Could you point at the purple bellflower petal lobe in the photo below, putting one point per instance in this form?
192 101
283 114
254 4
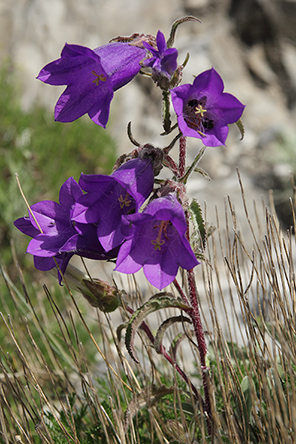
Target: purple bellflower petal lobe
164 60
44 263
121 61
204 111
75 60
48 245
137 175
24 225
69 193
108 198
157 243
91 77
48 217
75 102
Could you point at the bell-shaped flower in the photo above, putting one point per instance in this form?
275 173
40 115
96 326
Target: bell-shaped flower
91 77
204 110
163 60
156 241
108 198
54 233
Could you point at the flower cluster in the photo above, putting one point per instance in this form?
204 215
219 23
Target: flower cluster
56 236
107 217
105 223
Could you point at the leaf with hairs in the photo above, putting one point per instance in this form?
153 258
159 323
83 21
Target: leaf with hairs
198 222
177 341
157 302
163 328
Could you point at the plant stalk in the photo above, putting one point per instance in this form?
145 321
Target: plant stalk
194 313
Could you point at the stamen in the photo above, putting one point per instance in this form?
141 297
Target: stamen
200 110
162 228
157 244
124 201
99 77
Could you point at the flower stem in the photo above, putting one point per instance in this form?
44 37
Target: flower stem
194 313
201 343
180 291
166 111
182 156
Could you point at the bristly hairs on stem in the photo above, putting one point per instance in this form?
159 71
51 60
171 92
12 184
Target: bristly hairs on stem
165 133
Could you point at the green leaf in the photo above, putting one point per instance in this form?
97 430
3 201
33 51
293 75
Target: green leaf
198 222
163 328
157 302
193 168
241 128
202 172
244 405
247 393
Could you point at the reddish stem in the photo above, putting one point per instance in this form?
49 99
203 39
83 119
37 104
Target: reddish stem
181 292
182 156
194 313
201 344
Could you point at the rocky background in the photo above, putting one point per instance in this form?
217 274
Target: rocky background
251 43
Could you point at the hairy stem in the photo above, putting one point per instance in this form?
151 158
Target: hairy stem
201 343
166 111
180 291
182 156
194 313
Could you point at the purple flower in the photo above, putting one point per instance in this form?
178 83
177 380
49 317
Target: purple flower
164 59
55 235
156 241
108 198
92 76
204 110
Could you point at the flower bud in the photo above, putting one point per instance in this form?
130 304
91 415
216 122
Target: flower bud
101 295
98 293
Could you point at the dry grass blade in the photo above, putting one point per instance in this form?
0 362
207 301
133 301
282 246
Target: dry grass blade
248 297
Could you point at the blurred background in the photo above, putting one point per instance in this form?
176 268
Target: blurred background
251 43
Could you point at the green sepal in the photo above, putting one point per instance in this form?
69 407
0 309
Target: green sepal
241 128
